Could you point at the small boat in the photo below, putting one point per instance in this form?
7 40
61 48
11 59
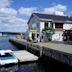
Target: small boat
7 57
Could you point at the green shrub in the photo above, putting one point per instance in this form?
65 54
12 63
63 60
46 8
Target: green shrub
48 29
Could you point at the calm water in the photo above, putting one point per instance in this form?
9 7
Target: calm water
42 66
6 45
29 67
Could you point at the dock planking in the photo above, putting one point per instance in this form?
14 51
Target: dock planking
57 51
25 56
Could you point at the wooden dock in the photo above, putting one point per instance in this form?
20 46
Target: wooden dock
57 51
25 56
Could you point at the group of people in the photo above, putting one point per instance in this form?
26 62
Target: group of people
35 38
67 36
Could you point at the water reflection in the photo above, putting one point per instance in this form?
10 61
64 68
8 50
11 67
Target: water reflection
30 67
9 69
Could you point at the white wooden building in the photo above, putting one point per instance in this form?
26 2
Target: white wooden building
60 25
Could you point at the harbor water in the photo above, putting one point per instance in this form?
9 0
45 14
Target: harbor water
25 67
6 45
40 66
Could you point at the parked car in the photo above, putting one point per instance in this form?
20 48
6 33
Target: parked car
7 57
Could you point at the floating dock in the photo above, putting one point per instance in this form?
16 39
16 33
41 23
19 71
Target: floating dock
25 56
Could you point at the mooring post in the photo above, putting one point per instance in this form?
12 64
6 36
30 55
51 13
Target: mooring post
26 46
41 50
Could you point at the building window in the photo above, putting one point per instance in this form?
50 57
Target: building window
46 25
51 25
59 25
34 26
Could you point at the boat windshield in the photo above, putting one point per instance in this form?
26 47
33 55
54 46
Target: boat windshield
6 55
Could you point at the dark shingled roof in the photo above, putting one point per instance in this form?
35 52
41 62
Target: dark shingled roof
53 17
71 18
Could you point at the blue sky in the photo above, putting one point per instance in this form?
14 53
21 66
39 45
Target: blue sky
40 4
14 14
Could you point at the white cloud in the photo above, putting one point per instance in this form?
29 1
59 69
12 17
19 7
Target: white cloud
5 3
60 7
27 11
57 9
18 21
13 24
8 11
10 22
